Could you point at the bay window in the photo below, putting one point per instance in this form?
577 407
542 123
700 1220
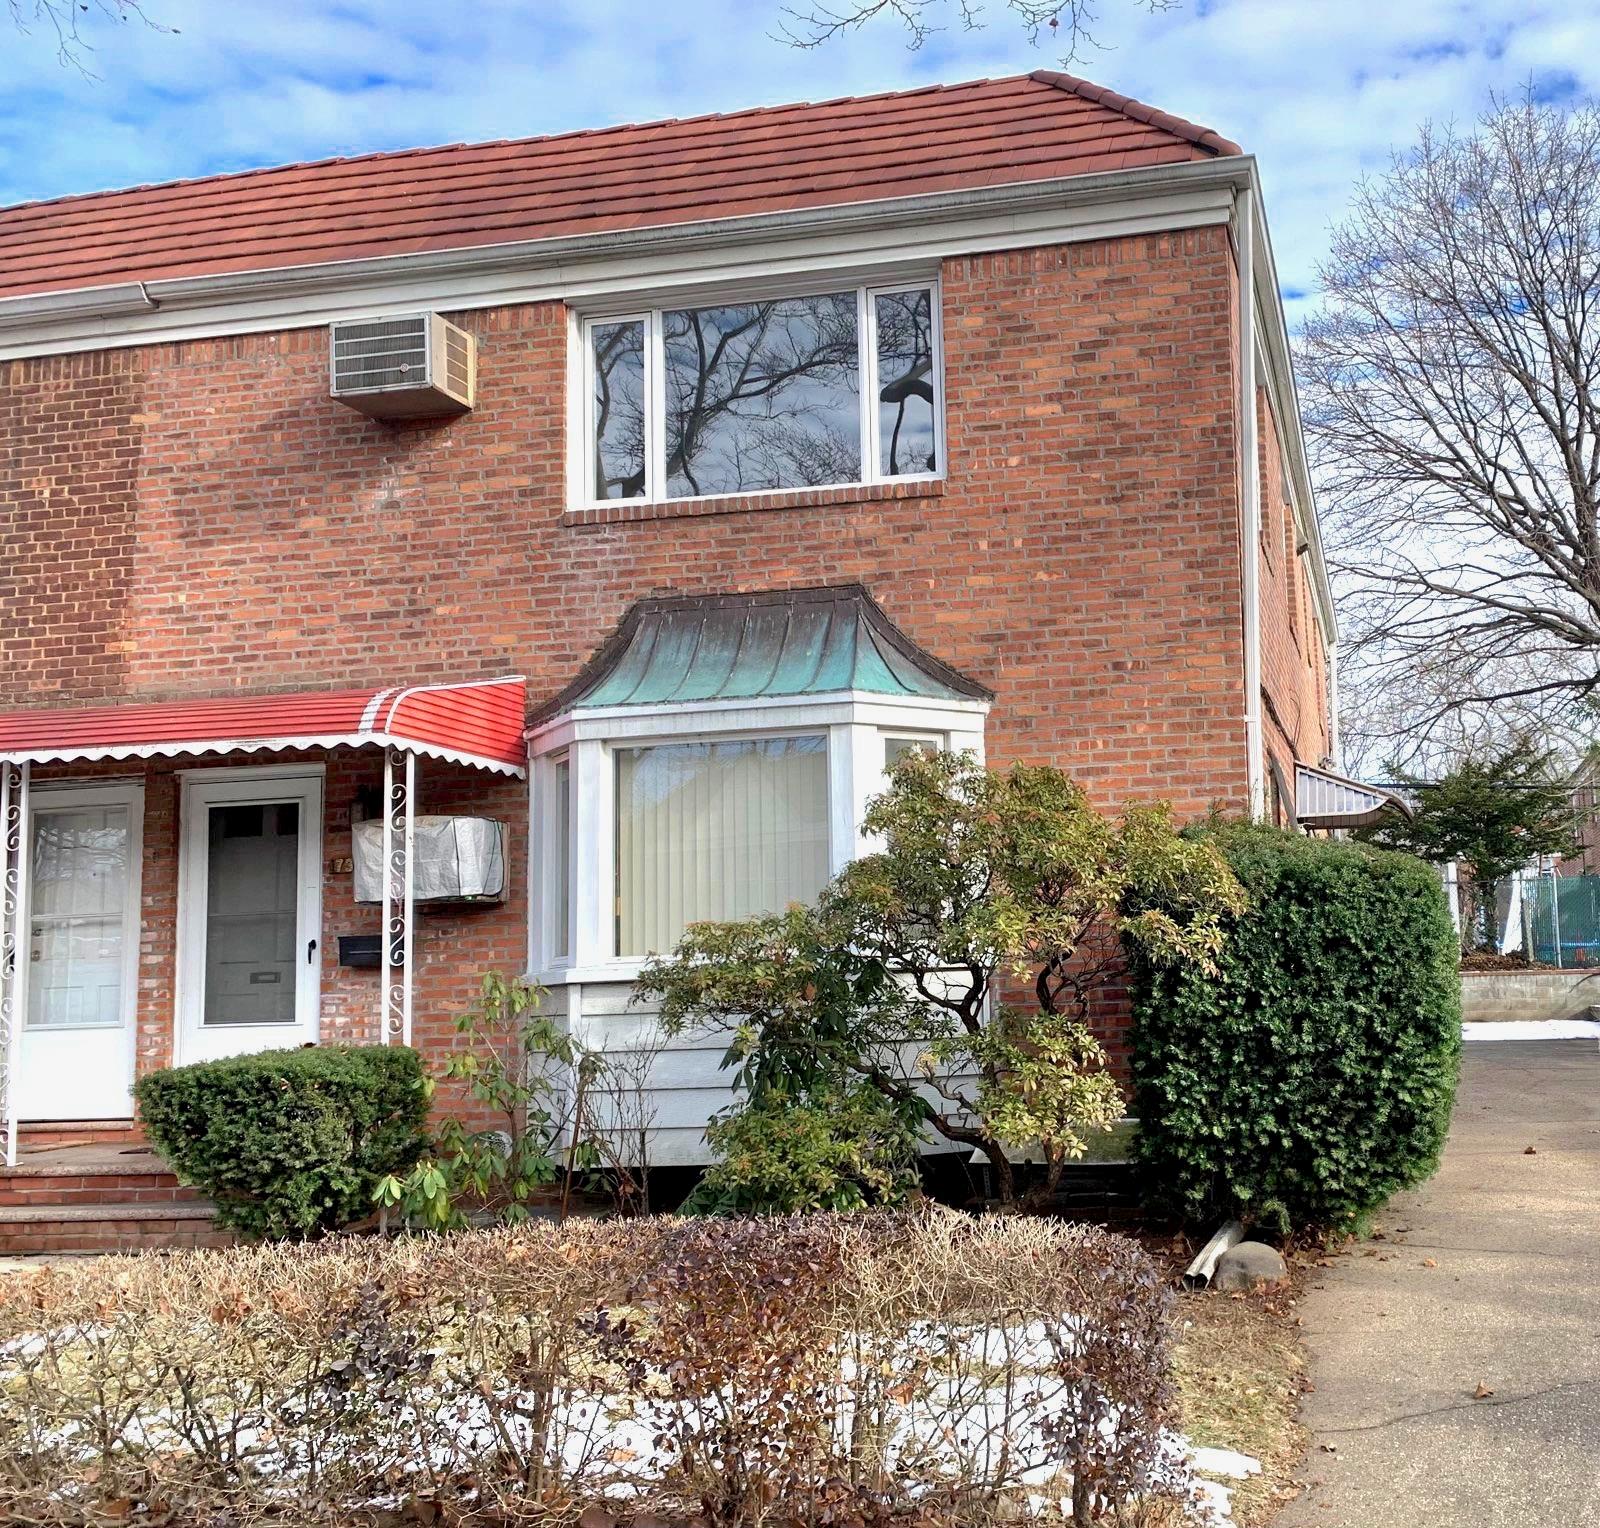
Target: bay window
814 390
640 830
714 760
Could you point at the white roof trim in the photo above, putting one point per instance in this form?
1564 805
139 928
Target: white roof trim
752 714
199 749
1284 397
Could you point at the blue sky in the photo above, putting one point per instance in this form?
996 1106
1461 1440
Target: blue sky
1319 89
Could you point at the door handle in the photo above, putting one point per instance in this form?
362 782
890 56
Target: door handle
311 950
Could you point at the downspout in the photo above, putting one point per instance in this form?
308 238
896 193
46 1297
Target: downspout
1335 744
1250 501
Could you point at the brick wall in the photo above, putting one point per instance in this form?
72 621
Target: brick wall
200 518
1293 669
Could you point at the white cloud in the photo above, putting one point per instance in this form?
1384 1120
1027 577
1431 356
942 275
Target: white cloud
1320 92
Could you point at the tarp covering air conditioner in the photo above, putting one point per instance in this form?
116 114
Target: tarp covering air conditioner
455 859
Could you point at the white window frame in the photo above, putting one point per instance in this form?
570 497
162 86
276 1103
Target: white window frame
584 490
855 723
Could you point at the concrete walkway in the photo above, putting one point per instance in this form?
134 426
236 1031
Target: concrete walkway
1488 1275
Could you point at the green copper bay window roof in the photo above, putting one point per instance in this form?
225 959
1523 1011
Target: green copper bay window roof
782 643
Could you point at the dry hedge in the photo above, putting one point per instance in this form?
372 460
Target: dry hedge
922 1368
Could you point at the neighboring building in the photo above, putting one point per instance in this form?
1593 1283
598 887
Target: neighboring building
962 416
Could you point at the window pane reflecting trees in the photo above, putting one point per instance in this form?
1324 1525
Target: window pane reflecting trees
619 409
906 415
762 395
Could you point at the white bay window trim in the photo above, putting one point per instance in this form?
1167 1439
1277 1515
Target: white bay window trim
855 724
583 491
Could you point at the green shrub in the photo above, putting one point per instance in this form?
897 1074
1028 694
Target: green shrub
1312 1075
844 1148
290 1143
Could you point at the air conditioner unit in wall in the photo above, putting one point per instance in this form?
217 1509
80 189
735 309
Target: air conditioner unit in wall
412 366
454 859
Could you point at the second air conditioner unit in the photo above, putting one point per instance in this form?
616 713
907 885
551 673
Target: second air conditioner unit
412 366
454 859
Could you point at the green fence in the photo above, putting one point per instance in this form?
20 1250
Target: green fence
1561 919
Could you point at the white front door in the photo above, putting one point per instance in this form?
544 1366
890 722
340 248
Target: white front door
76 1048
249 911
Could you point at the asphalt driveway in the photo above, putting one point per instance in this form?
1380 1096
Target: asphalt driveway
1486 1277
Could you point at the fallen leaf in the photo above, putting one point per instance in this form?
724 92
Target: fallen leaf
1430 1262
1482 1393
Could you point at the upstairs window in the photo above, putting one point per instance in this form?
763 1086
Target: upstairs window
811 391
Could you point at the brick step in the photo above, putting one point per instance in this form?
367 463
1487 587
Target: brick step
91 1173
97 1188
30 1230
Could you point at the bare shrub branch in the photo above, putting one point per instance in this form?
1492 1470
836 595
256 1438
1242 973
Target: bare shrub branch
923 1367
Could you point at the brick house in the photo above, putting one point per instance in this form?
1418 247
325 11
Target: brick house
961 416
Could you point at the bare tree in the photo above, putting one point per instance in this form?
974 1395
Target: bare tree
68 22
1453 392
1071 21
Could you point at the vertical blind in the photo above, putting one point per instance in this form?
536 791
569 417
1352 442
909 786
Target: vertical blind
717 830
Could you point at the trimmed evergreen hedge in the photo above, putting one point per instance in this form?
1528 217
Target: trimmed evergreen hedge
1314 1074
290 1143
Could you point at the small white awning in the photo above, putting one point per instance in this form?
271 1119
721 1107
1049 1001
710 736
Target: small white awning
1323 799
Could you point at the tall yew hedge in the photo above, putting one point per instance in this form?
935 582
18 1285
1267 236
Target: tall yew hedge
1312 1074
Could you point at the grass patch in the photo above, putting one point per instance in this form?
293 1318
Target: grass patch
1241 1370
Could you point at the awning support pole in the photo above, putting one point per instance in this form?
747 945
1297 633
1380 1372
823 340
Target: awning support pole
15 944
399 892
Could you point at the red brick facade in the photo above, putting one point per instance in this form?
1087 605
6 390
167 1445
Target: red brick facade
200 517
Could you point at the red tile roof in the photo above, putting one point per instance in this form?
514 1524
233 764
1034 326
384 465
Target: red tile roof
943 138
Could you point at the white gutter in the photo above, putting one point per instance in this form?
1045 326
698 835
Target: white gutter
1335 742
1250 503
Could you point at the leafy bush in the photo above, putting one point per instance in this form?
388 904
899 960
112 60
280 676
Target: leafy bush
828 1149
289 1143
515 1064
904 1368
988 883
1312 1075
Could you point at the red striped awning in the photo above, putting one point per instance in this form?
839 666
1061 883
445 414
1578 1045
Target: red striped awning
478 723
